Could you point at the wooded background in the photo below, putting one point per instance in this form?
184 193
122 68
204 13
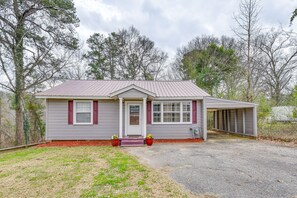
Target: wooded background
39 48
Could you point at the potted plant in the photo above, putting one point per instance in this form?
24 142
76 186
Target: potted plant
115 140
149 139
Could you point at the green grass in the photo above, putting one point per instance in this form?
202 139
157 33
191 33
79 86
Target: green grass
81 172
20 155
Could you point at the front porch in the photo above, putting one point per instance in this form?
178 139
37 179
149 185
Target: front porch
133 109
132 117
132 121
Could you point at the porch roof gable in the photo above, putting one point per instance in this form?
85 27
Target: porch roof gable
131 87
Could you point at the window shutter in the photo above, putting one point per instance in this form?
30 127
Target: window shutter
194 112
95 112
149 112
70 112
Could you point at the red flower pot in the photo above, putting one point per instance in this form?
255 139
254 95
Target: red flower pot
115 142
149 141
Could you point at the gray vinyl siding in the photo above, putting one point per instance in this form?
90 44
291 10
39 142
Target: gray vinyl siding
249 121
220 120
232 120
132 94
59 129
176 131
108 123
170 131
239 121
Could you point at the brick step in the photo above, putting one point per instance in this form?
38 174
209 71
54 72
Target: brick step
132 142
127 138
122 143
132 145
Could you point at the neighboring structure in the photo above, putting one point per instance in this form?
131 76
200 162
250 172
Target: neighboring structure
91 109
283 113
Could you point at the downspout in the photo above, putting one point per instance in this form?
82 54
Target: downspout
204 113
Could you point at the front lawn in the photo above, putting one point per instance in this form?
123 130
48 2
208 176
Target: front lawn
81 172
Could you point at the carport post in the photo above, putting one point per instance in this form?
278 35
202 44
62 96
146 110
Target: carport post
235 120
255 121
204 128
228 120
216 119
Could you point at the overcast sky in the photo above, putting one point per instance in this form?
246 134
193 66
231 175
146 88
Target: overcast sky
172 23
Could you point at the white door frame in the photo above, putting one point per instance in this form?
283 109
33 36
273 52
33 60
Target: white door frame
127 103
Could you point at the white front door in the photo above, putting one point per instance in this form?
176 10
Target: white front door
134 119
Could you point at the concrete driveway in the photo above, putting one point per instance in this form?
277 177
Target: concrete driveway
228 168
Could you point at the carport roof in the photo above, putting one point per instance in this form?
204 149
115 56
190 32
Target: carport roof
218 103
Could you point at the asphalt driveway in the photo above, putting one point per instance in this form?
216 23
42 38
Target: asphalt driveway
229 168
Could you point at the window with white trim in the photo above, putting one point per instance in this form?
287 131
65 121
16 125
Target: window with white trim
157 112
186 111
172 112
83 112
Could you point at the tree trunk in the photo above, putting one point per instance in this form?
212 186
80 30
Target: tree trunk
19 81
19 120
277 95
0 123
249 96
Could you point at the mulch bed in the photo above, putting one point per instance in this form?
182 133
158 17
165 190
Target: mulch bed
179 140
71 143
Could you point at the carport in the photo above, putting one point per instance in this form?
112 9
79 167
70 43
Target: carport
230 116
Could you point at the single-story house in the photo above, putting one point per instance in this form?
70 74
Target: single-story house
98 109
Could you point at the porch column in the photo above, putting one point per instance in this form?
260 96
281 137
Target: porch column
255 121
243 121
144 118
120 117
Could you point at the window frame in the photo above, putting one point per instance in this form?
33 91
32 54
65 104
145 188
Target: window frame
190 111
181 112
75 112
161 112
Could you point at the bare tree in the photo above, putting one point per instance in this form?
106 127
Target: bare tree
32 35
247 29
294 14
125 54
279 55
